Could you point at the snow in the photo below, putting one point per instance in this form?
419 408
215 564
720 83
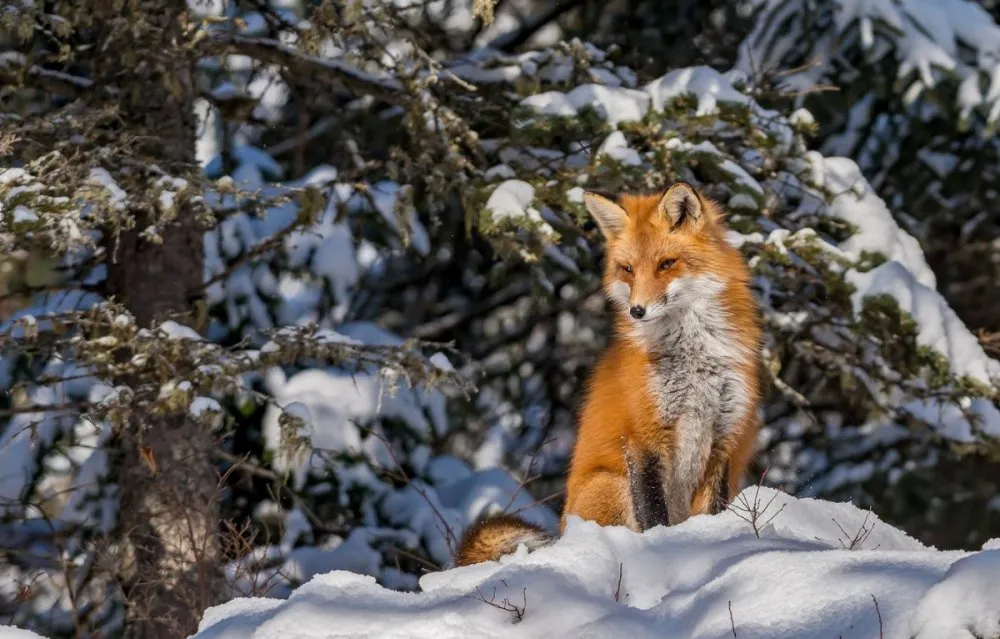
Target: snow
512 200
614 104
201 405
711 576
334 405
928 38
420 510
386 196
428 514
709 150
604 76
29 434
856 202
550 103
271 93
227 91
247 155
491 75
24 214
493 489
967 592
176 331
314 265
333 256
116 195
500 171
805 576
441 360
708 85
11 632
616 147
939 326
905 275
12 175
330 402
802 117
353 554
446 468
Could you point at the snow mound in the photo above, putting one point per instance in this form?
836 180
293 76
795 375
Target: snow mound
816 569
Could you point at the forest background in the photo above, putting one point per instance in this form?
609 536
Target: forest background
292 286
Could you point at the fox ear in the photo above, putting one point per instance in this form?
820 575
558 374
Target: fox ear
681 204
608 215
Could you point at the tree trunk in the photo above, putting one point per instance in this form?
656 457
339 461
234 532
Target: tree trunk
168 481
169 520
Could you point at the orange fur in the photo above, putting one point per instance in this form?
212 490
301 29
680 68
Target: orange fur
621 418
619 412
489 539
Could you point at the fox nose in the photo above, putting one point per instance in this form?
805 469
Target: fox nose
637 311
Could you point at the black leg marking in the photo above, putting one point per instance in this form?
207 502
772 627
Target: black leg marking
645 484
720 499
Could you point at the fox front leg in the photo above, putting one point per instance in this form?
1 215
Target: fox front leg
712 496
722 496
647 489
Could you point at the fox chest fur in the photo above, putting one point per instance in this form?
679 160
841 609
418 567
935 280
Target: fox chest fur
697 385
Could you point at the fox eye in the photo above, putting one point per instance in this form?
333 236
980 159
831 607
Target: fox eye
665 264
625 267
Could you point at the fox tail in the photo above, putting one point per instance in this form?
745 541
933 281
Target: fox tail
493 537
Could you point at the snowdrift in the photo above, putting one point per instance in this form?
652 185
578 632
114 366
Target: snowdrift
773 566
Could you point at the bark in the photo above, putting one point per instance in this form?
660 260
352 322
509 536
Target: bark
169 519
168 481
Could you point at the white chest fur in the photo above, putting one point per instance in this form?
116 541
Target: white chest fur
696 382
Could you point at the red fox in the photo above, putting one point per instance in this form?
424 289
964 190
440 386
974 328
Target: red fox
670 419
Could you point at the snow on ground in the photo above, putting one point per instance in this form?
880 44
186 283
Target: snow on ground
817 569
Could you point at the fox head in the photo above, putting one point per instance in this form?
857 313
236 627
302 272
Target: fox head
665 251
